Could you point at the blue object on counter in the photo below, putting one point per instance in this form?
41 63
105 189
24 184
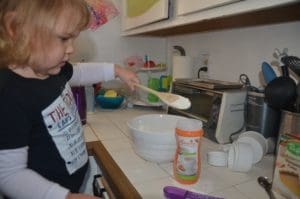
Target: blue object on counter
268 72
109 102
171 192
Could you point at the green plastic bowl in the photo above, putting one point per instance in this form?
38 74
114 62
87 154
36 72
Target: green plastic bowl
109 102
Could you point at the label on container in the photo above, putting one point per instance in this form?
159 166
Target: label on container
286 180
187 159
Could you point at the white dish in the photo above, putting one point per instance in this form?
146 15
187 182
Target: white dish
217 158
258 143
236 157
244 157
240 157
231 156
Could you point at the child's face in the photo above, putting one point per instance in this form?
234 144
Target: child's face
51 58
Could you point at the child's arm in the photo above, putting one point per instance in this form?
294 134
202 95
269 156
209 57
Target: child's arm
126 76
91 73
19 182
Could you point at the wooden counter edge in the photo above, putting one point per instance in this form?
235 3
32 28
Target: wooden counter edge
117 180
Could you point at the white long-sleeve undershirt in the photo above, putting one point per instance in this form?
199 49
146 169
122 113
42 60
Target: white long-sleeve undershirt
19 182
90 73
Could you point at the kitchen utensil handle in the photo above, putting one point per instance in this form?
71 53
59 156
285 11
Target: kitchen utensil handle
285 71
147 89
268 72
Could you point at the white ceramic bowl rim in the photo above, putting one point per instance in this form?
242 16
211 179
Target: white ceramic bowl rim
255 135
145 118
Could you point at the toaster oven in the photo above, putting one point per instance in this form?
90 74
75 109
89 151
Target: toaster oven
219 105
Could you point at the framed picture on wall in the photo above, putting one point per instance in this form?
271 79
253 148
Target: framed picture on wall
137 13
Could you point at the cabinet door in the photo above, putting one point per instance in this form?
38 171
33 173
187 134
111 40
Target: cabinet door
141 12
185 7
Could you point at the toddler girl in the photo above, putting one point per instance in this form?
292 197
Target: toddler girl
42 149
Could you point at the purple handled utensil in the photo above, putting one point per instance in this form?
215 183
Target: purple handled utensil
171 192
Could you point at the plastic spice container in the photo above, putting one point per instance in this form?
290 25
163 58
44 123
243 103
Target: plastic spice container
187 161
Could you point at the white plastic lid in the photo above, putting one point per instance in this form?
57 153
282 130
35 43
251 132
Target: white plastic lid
189 124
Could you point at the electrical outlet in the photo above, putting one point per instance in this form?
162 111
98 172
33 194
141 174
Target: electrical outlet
200 66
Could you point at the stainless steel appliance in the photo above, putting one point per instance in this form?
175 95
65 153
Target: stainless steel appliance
219 105
260 116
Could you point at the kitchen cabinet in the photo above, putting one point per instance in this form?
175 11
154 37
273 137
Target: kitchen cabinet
235 14
136 13
185 7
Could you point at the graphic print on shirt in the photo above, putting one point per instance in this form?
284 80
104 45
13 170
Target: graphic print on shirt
63 123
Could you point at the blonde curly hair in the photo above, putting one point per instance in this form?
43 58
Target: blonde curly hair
22 22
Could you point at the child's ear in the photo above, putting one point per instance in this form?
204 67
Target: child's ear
9 24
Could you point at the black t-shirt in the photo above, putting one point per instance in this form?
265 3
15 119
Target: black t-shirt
42 115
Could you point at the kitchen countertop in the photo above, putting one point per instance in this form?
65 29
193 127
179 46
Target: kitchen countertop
149 179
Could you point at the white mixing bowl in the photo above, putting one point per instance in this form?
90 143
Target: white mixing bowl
153 136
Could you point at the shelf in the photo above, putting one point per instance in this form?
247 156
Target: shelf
152 69
145 69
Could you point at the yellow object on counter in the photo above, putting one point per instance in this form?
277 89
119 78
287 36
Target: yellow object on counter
110 93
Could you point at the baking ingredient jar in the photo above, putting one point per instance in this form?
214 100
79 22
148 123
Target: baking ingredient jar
187 161
286 176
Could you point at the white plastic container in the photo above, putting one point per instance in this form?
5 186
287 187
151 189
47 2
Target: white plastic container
217 158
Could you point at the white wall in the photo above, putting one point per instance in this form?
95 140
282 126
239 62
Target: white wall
232 52
107 45
237 51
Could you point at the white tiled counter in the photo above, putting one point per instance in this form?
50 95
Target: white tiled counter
150 178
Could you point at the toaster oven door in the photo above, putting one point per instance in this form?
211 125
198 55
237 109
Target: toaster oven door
205 106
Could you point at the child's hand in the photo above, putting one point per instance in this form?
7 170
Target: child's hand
128 76
80 196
